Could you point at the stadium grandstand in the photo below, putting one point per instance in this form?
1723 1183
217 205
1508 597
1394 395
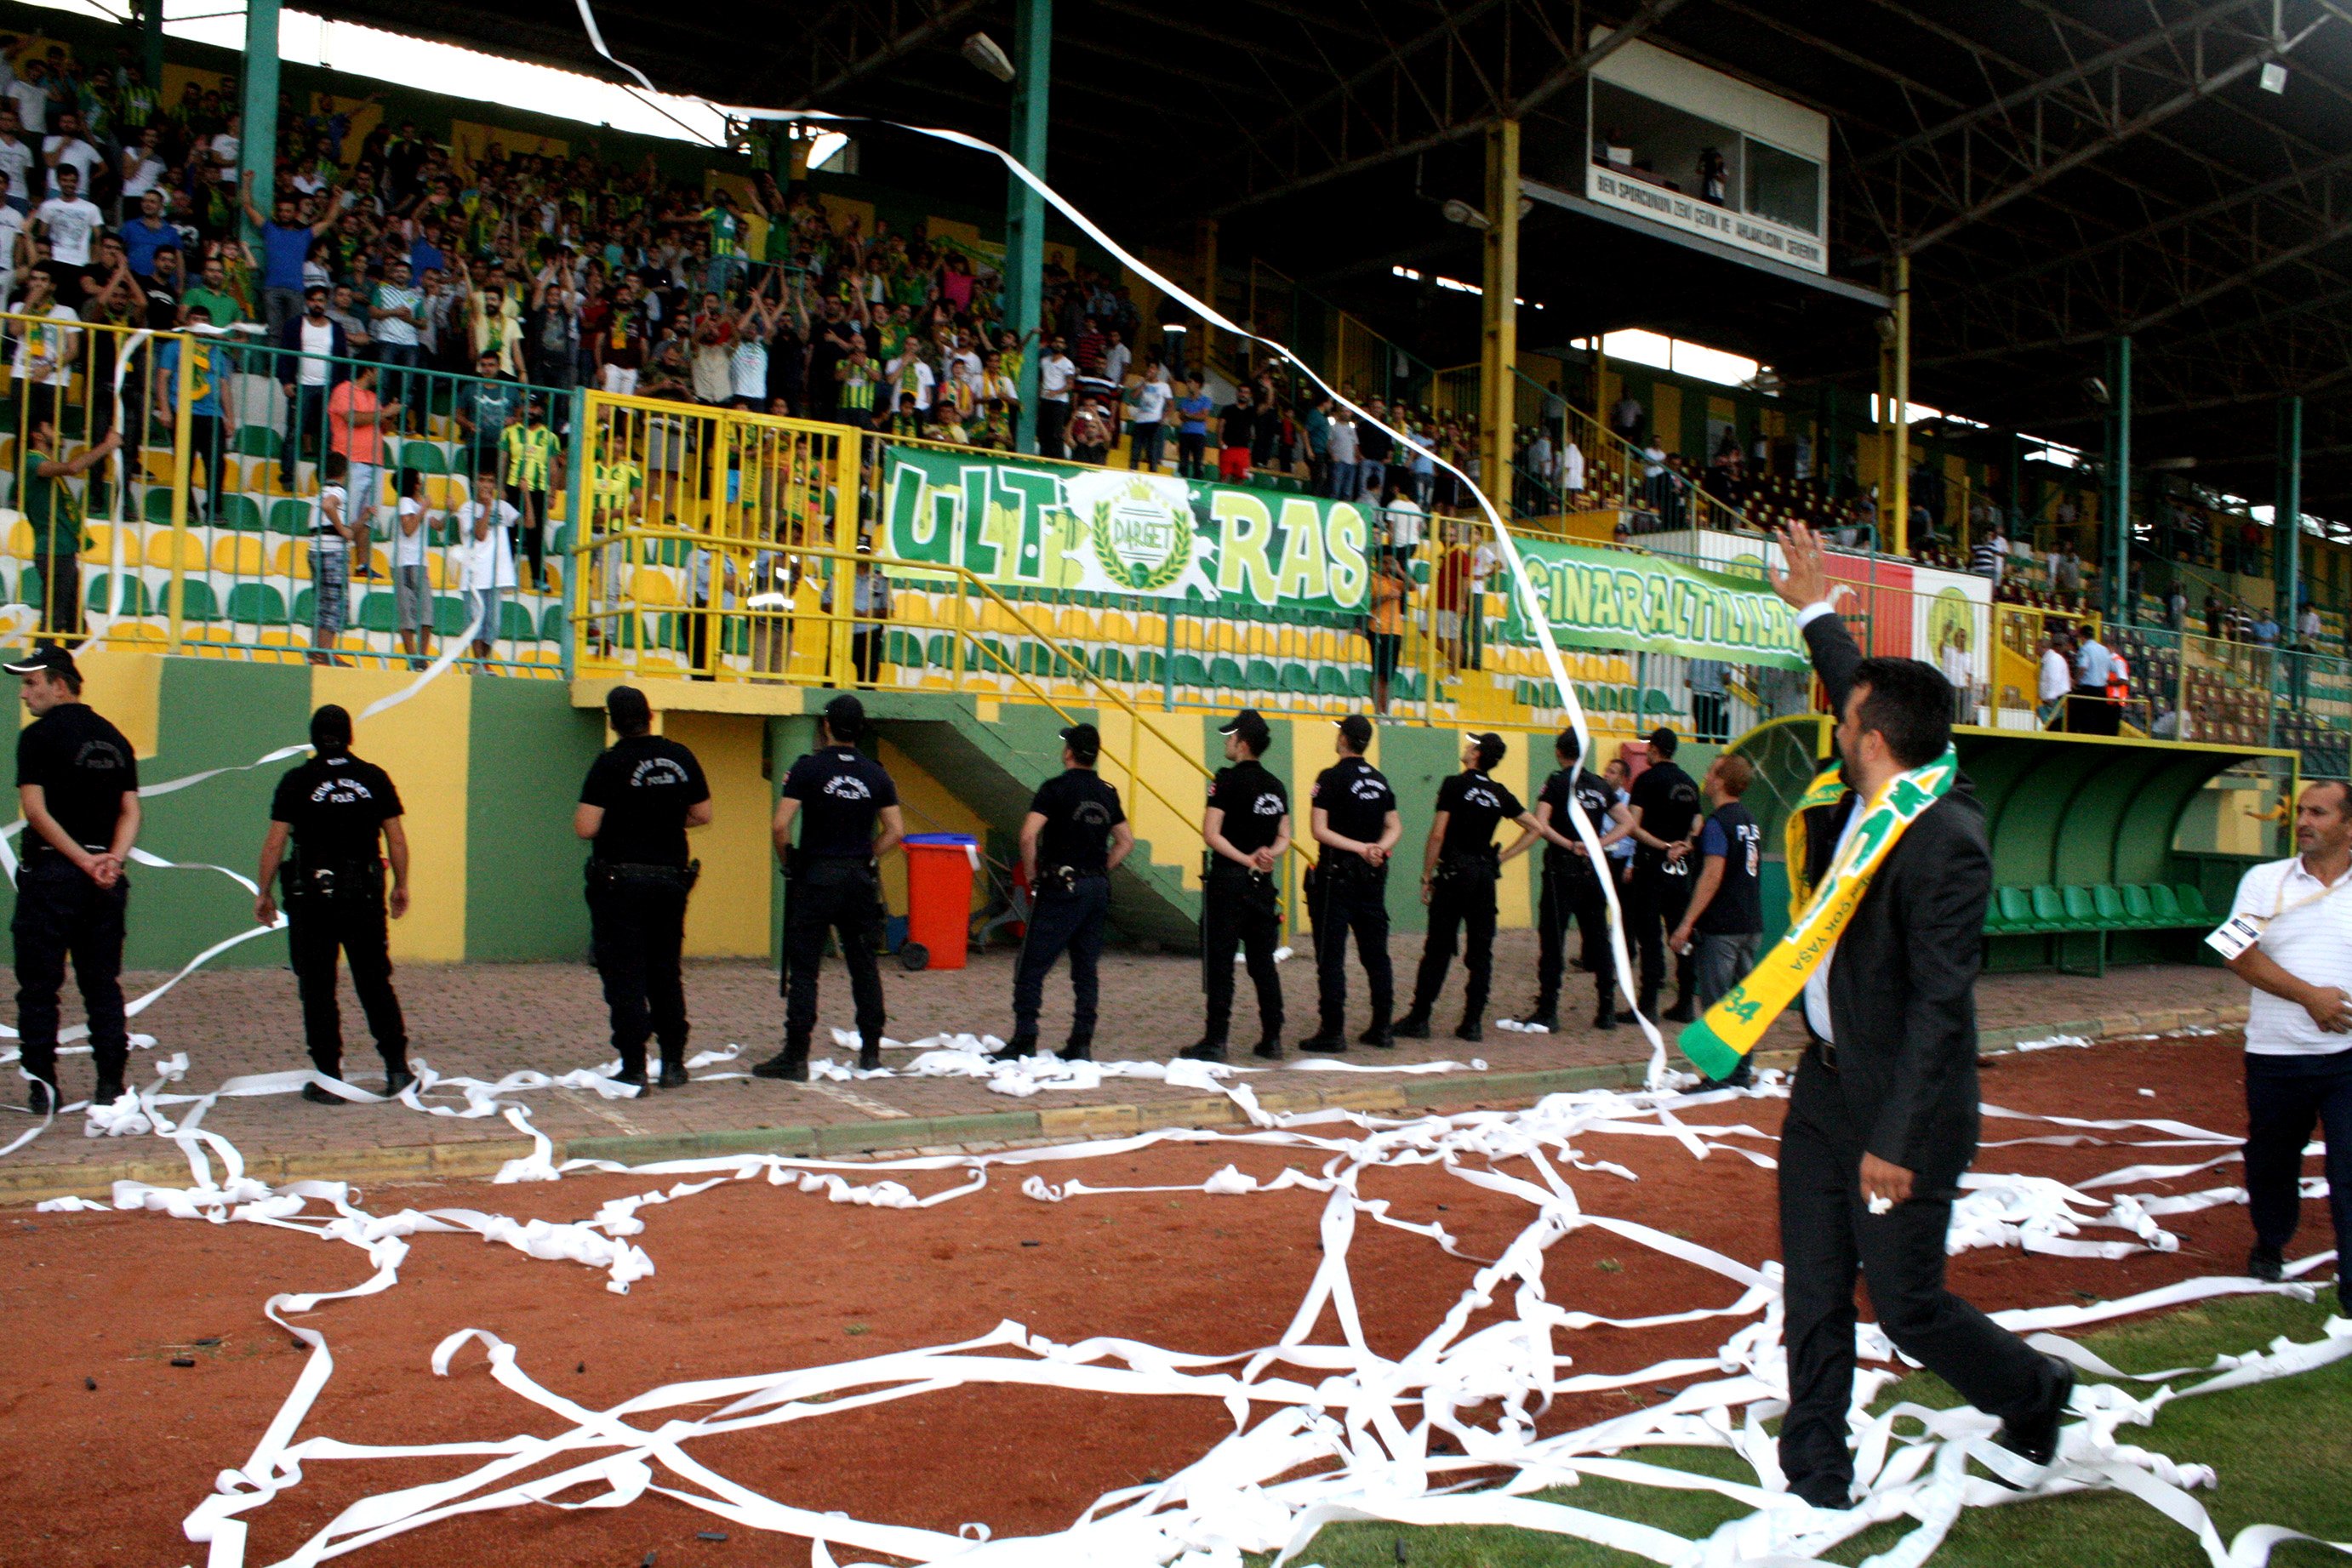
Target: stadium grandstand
750 361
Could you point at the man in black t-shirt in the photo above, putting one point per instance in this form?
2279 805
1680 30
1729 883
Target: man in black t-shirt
839 797
1665 816
1726 917
78 785
1355 820
1459 870
1571 886
1247 830
334 808
640 798
1074 837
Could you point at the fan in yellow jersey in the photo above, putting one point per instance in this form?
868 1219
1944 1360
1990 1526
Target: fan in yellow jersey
616 499
533 465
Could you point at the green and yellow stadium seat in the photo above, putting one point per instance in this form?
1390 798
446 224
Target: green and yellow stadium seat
550 623
289 516
306 606
104 598
423 457
451 615
515 623
1189 671
239 512
259 440
197 601
379 613
1261 677
157 507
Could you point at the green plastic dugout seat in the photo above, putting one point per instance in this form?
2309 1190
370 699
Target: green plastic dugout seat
2139 909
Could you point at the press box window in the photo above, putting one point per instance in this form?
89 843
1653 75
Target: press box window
1783 187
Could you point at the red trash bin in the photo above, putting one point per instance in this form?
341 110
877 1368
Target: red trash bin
940 868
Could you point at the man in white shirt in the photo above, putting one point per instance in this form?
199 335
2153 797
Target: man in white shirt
2091 712
1117 357
71 226
1403 518
1147 405
32 95
17 159
910 372
484 530
2057 679
64 149
1571 467
2299 1028
1056 375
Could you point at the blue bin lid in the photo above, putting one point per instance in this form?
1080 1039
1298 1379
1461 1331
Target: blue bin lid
943 841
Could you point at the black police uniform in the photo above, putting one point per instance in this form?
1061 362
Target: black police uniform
1661 888
84 768
1462 897
638 879
834 886
336 807
1351 894
1571 890
1238 906
1068 904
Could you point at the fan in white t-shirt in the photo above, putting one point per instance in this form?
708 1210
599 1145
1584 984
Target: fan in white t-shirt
485 537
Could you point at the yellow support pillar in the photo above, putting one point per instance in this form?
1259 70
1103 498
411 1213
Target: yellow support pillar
1499 350
1901 533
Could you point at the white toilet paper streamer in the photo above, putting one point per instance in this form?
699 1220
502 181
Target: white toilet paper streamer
1360 1424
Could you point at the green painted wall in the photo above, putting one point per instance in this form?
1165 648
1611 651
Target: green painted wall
528 750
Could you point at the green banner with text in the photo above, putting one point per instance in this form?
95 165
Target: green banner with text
1640 604
1100 530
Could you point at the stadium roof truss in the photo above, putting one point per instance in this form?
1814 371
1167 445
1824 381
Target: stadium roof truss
2057 173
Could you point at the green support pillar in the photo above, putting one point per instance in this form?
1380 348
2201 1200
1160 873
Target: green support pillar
150 47
1025 209
2119 495
2287 514
258 145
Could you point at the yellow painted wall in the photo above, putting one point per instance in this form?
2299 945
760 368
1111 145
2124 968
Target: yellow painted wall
1514 902
728 918
433 725
1167 816
1666 414
126 686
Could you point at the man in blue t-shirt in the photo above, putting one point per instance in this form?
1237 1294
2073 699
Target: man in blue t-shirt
285 246
205 420
1726 917
145 235
1192 411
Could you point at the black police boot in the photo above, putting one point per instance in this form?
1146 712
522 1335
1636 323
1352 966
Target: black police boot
1472 1027
319 1094
1020 1046
869 1055
1414 1025
2266 1263
1077 1050
1605 1015
672 1073
1205 1050
1379 1035
1648 1009
1544 1015
1269 1049
1327 1041
634 1077
1682 1011
41 1100
396 1079
108 1092
791 1064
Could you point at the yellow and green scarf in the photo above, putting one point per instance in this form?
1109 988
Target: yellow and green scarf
1718 1043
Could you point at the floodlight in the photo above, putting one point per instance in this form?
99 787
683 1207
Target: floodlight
2273 77
981 52
1457 211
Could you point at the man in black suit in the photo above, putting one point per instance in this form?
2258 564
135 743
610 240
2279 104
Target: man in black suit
1883 1118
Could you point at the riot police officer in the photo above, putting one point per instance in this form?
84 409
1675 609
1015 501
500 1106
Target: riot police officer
77 784
1665 814
1459 870
1247 830
335 808
641 796
838 795
1571 885
1072 839
1354 818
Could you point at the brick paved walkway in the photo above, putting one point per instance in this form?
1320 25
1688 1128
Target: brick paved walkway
487 1020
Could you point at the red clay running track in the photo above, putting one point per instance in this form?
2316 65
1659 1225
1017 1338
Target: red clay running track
755 1278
